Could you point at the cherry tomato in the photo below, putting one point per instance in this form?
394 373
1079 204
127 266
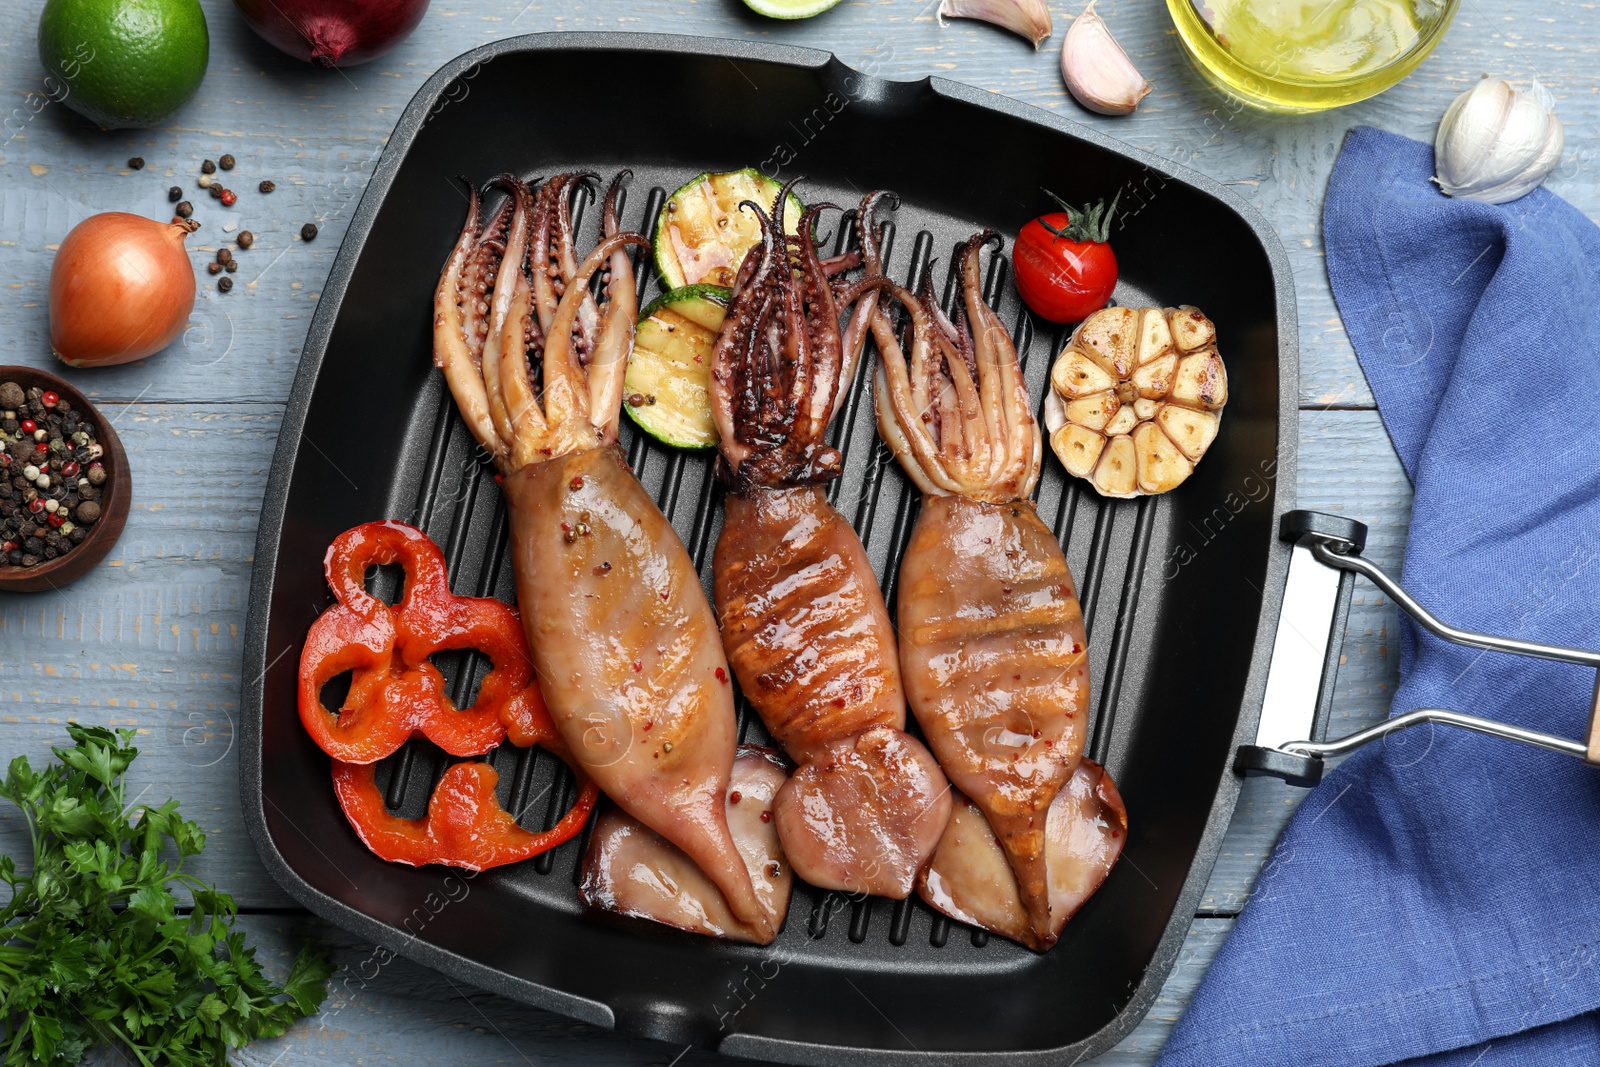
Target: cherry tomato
1065 269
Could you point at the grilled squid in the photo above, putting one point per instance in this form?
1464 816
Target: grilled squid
970 880
624 642
803 621
991 633
631 870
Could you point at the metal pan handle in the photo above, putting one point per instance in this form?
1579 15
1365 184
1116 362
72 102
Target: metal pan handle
1325 561
1305 651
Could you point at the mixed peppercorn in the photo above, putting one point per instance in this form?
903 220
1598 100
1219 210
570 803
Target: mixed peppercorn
210 179
52 480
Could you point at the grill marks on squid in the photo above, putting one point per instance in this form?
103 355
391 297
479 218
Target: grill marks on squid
803 620
991 631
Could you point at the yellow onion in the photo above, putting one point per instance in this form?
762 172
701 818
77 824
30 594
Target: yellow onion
121 289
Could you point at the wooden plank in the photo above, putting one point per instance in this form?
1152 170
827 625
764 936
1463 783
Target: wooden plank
389 1010
154 637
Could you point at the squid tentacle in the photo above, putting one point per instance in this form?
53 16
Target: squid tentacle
457 345
785 363
992 345
820 314
735 406
899 418
480 271
573 425
505 312
868 236
833 266
567 256
545 270
615 326
954 408
508 329
776 364
964 417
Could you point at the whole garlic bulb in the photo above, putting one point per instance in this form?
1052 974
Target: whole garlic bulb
1136 398
1496 144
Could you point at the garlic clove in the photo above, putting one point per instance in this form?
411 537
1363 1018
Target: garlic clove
1517 137
1496 144
1079 449
1549 157
1192 329
1122 422
1530 111
1155 336
1097 71
1461 127
1030 18
1161 465
1110 334
1117 473
1191 431
1201 381
1094 412
1155 378
1075 375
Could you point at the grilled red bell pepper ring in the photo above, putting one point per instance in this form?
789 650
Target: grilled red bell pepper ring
395 692
465 825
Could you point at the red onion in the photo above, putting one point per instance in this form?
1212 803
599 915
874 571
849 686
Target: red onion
333 32
121 289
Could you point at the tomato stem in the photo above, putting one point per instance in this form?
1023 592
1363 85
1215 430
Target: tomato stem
1092 223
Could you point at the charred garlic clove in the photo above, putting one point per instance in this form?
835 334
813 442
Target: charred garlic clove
1030 18
1136 398
1096 69
1495 143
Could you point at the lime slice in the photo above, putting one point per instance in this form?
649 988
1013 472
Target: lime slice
789 9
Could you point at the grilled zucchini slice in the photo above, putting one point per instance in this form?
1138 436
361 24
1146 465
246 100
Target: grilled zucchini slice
669 372
702 234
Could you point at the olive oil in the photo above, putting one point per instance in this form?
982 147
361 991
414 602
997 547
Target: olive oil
1307 55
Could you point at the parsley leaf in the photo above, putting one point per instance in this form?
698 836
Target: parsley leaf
94 950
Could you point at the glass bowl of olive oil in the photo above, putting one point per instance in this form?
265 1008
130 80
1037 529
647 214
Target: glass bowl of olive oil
1309 55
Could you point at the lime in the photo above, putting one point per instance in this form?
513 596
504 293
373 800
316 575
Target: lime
789 9
124 62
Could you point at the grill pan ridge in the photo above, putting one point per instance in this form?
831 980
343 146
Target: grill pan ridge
1172 587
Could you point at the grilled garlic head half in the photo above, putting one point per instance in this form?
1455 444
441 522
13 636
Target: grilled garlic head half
1136 398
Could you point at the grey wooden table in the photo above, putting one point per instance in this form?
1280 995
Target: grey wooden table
153 638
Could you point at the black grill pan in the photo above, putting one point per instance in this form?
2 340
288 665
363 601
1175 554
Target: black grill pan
1180 592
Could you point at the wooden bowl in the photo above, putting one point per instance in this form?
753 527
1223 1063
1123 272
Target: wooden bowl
114 502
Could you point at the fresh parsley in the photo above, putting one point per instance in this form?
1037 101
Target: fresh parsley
93 948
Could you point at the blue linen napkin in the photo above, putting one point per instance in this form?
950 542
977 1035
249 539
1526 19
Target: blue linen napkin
1436 900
